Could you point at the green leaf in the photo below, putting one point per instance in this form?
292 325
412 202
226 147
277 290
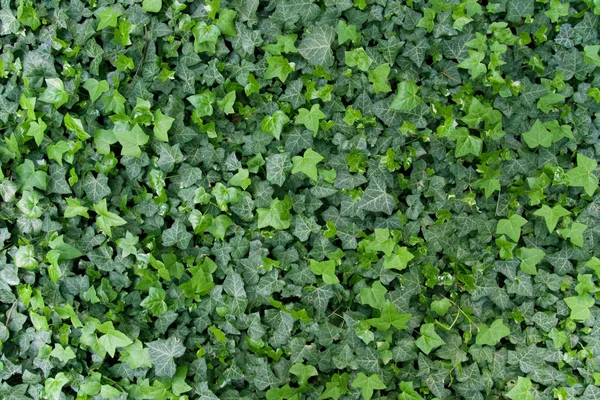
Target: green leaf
277 215
96 88
162 124
551 215
379 78
163 353
29 177
227 102
583 174
315 47
206 37
278 67
152 6
406 97
376 199
580 306
537 136
389 316
326 269
136 355
155 301
75 125
310 119
358 58
106 219
131 141
368 384
345 32
491 335
285 44
407 392
303 373
429 339
108 17
219 226
473 63
112 338
511 227
55 93
307 164
529 259
399 260
574 233
62 353
521 390
373 296
441 307
273 124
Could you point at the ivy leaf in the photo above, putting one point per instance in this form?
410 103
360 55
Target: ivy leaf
583 174
62 353
521 390
162 124
303 372
152 6
574 233
551 215
128 244
345 32
326 269
316 46
75 125
307 164
374 295
368 384
276 216
407 392
96 88
310 119
29 177
529 259
491 335
537 136
376 199
108 17
131 141
278 67
389 316
155 301
106 219
55 93
379 78
511 227
112 338
399 260
429 339
406 97
580 306
163 353
273 124
358 58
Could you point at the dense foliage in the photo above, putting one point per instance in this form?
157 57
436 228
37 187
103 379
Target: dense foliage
299 199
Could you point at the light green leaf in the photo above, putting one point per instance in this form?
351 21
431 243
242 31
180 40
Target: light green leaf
537 136
303 372
429 339
379 78
155 301
75 125
96 88
368 384
278 67
112 338
277 215
491 335
511 227
345 32
307 164
162 124
152 6
62 353
583 174
131 141
407 392
522 390
326 269
310 119
358 58
273 124
406 97
106 219
580 306
374 295
574 233
529 259
551 215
